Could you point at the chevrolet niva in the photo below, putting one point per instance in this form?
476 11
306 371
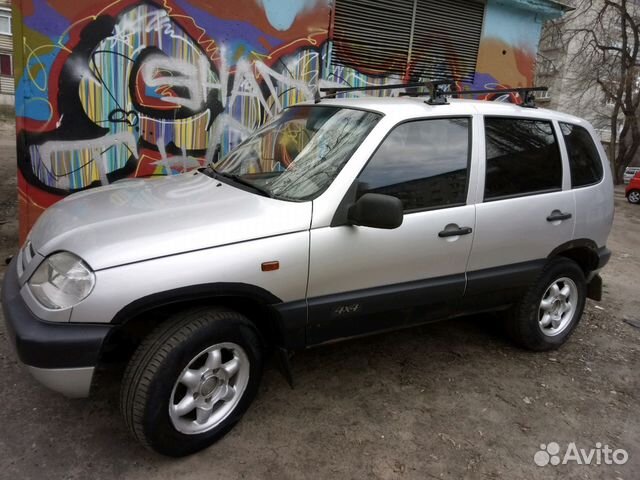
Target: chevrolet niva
339 218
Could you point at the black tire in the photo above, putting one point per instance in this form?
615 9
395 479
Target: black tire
522 322
154 369
636 197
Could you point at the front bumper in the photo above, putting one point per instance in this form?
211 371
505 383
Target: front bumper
62 356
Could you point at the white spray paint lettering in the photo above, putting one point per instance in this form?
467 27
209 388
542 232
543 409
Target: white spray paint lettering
97 147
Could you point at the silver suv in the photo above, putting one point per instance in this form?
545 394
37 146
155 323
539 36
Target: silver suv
337 219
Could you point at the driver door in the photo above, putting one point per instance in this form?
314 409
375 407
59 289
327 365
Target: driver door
364 279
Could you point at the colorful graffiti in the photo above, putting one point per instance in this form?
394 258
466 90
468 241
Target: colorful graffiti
110 89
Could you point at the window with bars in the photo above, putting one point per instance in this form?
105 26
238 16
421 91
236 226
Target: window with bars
434 39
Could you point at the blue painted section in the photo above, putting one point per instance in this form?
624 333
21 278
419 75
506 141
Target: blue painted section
282 13
231 34
36 105
34 90
547 9
515 26
45 20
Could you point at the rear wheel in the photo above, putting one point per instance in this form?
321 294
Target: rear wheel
634 196
551 308
191 380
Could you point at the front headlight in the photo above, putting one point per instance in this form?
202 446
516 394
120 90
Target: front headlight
61 281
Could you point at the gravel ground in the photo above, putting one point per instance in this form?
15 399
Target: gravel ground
447 400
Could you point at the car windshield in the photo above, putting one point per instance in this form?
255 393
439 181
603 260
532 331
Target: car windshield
299 154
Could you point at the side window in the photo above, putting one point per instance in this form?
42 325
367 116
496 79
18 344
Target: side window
423 163
584 159
522 157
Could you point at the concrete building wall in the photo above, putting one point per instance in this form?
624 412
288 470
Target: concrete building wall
562 69
6 50
108 89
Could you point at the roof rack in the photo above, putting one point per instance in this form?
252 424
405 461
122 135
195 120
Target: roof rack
437 95
331 92
525 93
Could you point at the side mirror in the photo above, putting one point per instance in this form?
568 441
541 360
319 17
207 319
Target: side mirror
377 211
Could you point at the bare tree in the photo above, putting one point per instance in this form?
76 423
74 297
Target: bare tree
602 40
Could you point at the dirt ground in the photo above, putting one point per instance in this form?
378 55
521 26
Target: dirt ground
450 400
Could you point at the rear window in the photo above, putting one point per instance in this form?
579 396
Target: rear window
584 159
522 158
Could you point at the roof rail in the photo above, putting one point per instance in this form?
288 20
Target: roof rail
437 95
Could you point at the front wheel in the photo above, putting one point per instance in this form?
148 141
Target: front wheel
634 196
191 380
551 308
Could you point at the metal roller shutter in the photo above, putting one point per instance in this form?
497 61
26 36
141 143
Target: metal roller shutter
435 39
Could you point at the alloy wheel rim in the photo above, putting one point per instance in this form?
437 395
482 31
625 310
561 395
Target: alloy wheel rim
634 197
209 388
557 306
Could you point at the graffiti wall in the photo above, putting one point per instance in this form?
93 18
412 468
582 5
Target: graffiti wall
110 89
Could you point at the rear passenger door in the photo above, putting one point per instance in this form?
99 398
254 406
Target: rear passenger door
528 208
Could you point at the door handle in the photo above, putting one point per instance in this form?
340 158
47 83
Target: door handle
454 232
557 215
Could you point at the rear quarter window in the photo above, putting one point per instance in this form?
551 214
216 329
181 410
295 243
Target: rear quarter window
584 159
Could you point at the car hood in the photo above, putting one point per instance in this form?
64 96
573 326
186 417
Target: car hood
136 220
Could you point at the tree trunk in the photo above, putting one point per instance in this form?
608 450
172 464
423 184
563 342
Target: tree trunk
612 149
628 144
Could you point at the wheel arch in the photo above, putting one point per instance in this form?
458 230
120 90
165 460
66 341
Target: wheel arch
137 319
582 251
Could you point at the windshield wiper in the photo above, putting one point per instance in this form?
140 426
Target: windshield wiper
236 178
211 170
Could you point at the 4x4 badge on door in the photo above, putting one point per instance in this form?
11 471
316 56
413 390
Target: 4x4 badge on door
346 309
